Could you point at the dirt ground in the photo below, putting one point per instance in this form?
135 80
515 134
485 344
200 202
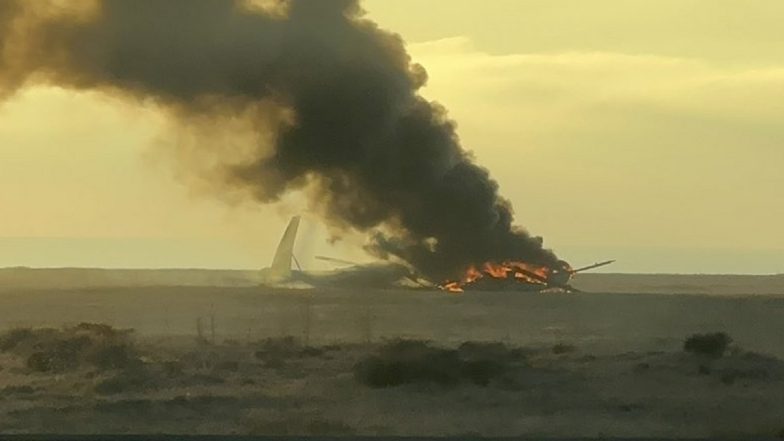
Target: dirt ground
249 360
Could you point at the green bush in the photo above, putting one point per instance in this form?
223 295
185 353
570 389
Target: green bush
408 361
412 361
712 345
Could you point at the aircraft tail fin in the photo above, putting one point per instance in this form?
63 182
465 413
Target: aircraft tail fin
281 263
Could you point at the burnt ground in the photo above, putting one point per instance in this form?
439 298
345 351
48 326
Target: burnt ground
247 360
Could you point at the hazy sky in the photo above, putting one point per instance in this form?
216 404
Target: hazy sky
648 131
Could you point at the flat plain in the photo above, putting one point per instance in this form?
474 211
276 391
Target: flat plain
209 352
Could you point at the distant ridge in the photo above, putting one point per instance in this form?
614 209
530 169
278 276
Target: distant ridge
714 284
75 278
72 278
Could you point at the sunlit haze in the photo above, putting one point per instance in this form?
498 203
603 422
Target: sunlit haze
648 132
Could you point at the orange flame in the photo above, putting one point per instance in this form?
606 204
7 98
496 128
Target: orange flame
522 272
452 287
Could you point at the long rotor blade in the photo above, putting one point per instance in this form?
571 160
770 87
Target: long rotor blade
595 265
334 260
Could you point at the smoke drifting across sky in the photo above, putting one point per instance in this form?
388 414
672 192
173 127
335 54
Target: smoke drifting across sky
331 98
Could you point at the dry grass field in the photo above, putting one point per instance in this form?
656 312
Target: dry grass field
225 356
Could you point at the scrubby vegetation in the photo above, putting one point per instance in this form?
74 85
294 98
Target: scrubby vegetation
126 381
211 365
17 390
712 345
284 347
413 361
563 348
59 379
300 425
60 350
276 352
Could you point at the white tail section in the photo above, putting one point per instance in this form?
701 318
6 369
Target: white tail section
281 263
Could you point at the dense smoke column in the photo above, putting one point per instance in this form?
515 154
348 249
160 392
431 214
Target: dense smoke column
381 157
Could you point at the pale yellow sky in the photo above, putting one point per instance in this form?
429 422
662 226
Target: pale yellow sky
639 129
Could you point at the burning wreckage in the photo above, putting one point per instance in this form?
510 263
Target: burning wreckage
517 276
507 276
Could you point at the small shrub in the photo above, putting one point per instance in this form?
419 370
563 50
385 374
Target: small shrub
563 348
172 369
319 427
279 347
274 363
709 345
98 329
275 351
18 390
490 351
206 379
111 386
729 377
51 361
311 351
113 356
641 367
229 365
293 426
480 372
124 382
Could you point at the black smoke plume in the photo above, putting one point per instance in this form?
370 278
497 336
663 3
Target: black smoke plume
382 159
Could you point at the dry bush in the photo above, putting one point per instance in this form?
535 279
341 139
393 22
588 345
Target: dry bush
59 350
131 380
563 348
13 338
299 425
275 351
413 361
17 390
730 376
490 351
320 427
281 347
